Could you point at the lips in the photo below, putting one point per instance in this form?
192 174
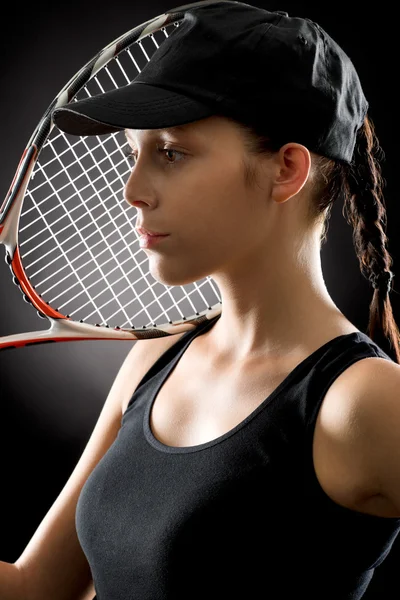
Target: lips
143 231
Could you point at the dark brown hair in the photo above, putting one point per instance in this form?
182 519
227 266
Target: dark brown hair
360 185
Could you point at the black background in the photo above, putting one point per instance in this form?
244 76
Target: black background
51 396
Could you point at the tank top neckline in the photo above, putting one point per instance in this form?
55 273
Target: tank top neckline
158 445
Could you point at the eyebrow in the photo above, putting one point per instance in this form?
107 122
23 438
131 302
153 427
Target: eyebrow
175 128
165 129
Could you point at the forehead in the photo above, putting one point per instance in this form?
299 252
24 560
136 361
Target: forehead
215 130
138 133
215 125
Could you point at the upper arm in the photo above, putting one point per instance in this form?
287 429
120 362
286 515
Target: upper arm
357 441
378 419
53 564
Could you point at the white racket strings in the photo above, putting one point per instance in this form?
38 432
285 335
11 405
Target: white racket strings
77 236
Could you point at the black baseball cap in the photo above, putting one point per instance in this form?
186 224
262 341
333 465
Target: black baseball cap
283 75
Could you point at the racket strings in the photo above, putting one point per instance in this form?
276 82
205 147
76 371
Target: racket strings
43 169
98 267
77 234
59 271
68 264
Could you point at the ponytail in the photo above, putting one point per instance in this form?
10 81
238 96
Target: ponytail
365 210
360 185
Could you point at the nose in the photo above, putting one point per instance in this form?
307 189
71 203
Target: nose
136 191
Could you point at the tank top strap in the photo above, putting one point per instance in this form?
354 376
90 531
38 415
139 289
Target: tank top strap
173 353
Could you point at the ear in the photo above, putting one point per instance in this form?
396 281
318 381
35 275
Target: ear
292 167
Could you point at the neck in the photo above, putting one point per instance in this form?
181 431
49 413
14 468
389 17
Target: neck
276 306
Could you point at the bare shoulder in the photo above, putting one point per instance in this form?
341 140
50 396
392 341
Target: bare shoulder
139 360
356 443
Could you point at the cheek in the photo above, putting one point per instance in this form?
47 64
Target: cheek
216 190
209 213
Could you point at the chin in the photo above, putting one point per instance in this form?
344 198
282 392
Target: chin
173 274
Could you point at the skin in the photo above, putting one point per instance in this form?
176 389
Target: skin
254 240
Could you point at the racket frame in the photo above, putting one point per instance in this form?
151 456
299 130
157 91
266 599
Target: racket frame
62 328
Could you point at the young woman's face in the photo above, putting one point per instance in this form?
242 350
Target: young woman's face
189 182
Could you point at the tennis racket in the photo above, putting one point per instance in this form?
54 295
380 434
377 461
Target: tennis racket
69 236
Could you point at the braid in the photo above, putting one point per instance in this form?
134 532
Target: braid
365 210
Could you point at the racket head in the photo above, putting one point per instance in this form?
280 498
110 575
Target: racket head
69 236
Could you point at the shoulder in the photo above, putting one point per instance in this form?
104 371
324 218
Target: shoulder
357 433
376 410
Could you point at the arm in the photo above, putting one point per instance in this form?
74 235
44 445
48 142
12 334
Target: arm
53 565
378 420
10 582
359 432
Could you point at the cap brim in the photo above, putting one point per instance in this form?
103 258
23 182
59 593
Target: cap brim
134 106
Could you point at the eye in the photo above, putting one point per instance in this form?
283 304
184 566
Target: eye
130 155
169 154
169 151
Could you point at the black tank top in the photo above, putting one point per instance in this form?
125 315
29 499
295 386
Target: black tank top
242 516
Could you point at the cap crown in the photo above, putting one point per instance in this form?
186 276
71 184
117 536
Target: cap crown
284 75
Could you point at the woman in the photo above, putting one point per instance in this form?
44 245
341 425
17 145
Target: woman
257 456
